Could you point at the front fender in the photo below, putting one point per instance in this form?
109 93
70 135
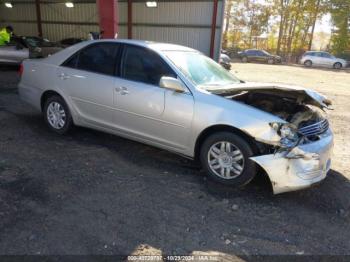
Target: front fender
225 112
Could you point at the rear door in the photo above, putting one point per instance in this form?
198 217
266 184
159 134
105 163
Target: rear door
260 56
327 59
251 55
88 78
317 59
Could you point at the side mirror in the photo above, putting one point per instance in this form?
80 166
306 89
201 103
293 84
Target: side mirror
172 84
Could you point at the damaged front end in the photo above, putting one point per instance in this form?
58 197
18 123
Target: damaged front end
302 156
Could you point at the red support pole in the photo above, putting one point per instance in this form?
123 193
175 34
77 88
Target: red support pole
213 28
129 19
108 17
38 18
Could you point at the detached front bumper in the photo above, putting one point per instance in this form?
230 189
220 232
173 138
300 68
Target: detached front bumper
300 167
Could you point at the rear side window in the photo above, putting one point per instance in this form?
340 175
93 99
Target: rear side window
326 55
98 58
142 65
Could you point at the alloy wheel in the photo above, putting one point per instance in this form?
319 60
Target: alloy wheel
56 115
225 160
337 65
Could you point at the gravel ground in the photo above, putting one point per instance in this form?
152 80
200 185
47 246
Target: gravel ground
93 193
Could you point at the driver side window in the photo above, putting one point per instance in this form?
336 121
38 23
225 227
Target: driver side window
142 65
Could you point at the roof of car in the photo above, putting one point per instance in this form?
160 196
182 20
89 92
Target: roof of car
150 44
61 56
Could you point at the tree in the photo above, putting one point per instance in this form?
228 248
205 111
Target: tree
340 11
228 15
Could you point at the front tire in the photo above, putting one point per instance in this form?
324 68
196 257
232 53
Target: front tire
337 65
225 158
57 115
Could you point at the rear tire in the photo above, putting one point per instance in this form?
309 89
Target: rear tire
337 65
308 63
225 158
244 59
57 115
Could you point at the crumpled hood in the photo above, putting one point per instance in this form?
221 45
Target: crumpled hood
302 95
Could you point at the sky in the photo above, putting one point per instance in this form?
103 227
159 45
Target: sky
324 24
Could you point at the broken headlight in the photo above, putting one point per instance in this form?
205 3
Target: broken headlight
287 132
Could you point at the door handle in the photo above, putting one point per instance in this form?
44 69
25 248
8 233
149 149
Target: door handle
122 90
63 76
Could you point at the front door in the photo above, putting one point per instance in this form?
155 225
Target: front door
143 108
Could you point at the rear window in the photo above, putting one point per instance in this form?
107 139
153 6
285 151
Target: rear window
99 58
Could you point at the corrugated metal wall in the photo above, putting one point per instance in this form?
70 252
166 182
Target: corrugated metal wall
19 18
58 21
182 22
61 22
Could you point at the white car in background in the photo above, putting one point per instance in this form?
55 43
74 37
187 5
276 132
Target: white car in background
324 59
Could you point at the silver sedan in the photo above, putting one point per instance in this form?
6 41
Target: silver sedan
177 99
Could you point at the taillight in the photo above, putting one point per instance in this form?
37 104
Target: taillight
20 70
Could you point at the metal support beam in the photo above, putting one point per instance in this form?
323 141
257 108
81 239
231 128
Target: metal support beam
213 28
38 18
108 17
129 19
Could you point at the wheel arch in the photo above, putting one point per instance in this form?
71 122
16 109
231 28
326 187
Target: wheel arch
222 128
308 60
338 62
46 95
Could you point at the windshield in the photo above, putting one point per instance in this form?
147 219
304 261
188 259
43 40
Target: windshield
201 70
265 52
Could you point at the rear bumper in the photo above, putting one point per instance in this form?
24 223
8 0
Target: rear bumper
299 168
30 95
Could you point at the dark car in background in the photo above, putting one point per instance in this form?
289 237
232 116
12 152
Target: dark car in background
71 41
261 56
225 61
23 47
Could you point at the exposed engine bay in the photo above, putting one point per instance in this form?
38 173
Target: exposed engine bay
286 108
308 119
